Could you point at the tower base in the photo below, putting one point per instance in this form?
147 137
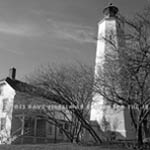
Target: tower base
115 122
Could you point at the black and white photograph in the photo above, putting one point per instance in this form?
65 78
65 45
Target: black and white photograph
74 74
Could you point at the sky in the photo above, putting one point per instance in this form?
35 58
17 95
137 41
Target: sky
38 32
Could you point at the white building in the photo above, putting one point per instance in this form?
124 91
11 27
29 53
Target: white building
21 119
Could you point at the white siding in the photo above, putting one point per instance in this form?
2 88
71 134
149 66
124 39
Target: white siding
6 93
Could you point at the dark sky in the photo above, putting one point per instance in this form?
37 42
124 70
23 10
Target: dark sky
35 32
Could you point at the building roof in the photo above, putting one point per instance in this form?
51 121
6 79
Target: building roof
23 87
33 91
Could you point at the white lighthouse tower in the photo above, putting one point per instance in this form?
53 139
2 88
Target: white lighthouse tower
110 28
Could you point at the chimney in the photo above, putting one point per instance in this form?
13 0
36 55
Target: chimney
12 73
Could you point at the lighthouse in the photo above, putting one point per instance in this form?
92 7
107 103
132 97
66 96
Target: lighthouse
109 41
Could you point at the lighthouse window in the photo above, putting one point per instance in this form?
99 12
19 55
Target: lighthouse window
110 37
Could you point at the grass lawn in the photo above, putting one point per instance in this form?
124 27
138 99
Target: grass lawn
58 147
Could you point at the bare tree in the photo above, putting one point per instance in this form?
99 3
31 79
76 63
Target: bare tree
125 77
73 85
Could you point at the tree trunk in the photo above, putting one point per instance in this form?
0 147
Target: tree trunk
140 135
78 139
146 130
88 127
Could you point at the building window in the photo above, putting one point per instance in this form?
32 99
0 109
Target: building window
3 123
60 129
1 88
29 126
50 130
66 126
41 127
4 109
